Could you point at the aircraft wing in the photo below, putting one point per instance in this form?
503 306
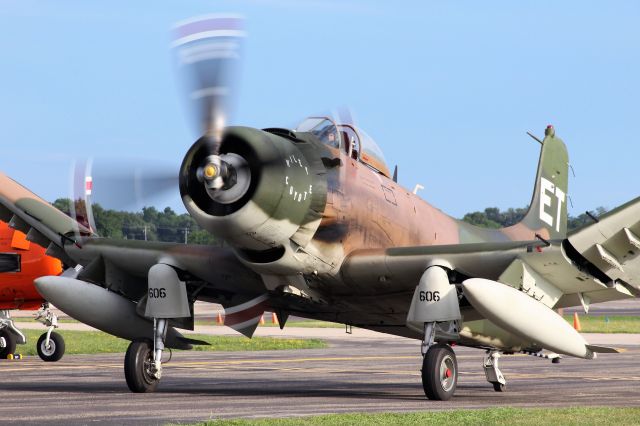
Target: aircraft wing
545 272
612 244
39 220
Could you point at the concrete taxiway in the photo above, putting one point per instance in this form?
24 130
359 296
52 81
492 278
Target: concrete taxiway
358 373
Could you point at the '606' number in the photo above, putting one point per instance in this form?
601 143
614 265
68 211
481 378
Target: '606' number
429 296
157 293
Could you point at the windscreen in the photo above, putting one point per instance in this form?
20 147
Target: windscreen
323 128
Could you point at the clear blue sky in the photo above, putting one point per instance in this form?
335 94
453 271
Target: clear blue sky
447 88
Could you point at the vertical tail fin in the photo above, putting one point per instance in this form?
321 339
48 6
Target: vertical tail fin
548 210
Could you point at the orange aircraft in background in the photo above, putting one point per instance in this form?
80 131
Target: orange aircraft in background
20 263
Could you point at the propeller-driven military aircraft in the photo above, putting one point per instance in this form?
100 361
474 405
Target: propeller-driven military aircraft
20 263
316 226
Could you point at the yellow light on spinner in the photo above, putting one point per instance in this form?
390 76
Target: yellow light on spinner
210 171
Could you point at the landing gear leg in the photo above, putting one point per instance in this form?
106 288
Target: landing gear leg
493 373
159 335
50 345
143 360
439 367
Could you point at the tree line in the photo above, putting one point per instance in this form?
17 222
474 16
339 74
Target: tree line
493 217
149 224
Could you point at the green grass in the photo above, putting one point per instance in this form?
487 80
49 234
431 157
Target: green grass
212 321
267 323
491 416
95 342
599 324
299 323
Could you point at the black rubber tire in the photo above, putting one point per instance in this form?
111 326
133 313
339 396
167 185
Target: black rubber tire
436 387
139 380
499 387
11 343
56 347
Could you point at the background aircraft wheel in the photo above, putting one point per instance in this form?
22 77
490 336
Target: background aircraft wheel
10 342
439 372
54 351
137 366
499 387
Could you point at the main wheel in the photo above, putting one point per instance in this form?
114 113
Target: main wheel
440 372
10 343
137 366
54 351
499 387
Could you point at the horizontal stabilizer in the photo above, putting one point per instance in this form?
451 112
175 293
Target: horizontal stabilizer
604 349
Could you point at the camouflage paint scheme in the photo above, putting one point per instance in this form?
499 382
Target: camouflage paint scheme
324 235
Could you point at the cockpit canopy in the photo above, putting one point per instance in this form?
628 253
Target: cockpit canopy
354 141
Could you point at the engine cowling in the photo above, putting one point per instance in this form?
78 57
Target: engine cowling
271 190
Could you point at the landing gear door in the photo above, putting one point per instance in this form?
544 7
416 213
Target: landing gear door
167 295
434 300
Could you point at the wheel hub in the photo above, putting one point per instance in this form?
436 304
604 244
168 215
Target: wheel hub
150 370
447 368
49 349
